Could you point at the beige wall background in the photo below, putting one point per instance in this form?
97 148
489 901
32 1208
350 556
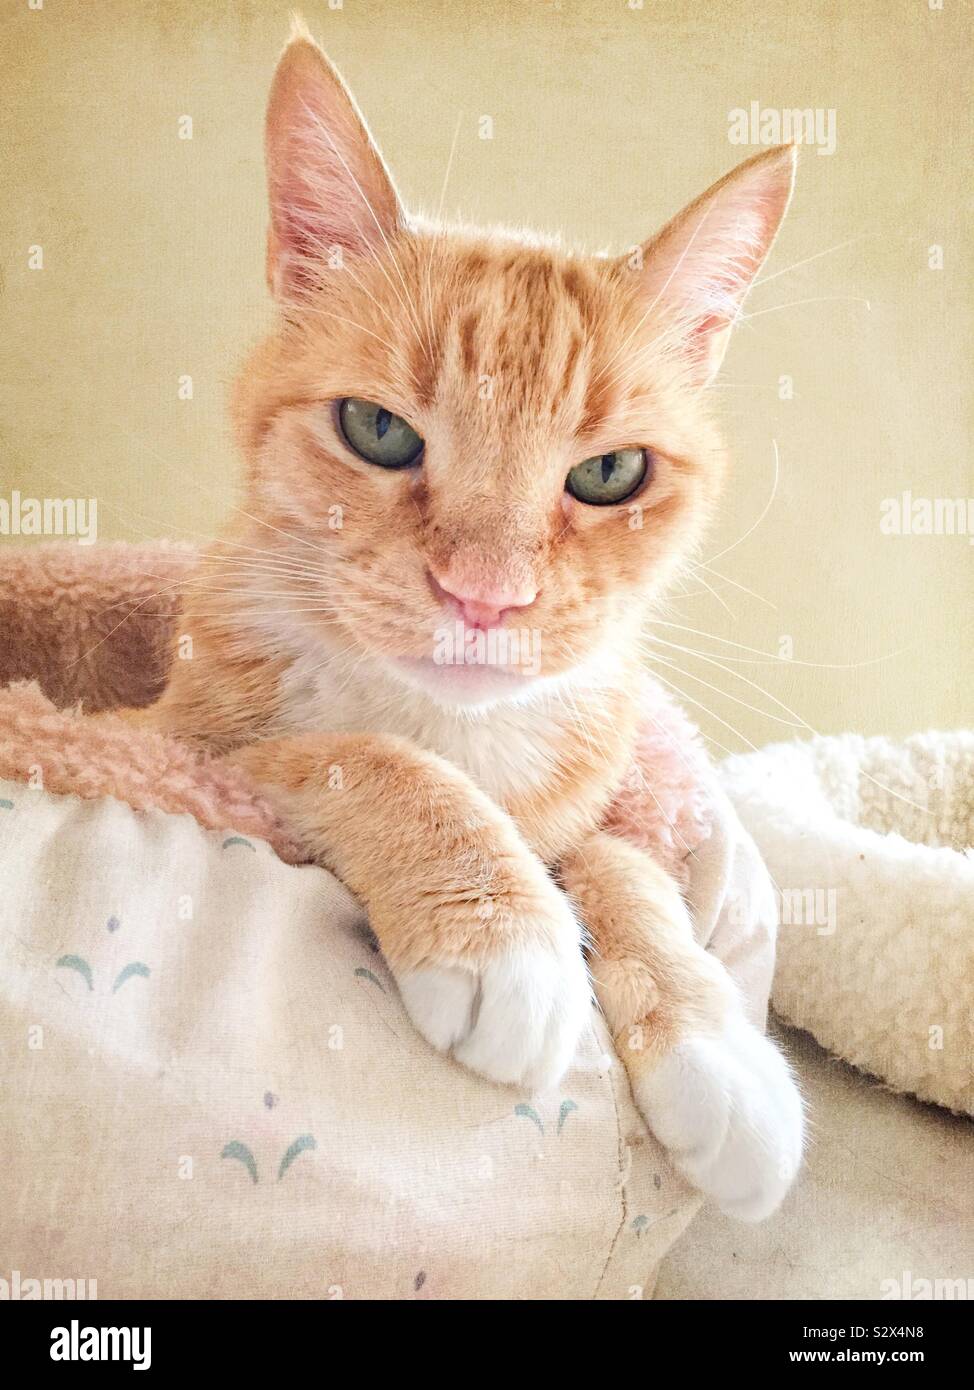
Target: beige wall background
607 117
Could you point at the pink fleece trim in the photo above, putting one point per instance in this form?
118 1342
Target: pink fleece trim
109 757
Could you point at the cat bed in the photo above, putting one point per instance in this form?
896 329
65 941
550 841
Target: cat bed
869 841
214 1087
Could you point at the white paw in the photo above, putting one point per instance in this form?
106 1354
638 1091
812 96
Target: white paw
517 1019
728 1111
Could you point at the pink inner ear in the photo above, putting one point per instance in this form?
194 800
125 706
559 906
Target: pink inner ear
310 206
328 186
702 335
720 274
703 263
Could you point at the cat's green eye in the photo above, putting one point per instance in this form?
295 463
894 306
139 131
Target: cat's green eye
608 478
377 435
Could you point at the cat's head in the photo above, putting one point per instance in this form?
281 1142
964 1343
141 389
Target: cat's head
485 454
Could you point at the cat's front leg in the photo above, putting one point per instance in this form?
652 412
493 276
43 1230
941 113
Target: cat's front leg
713 1089
484 948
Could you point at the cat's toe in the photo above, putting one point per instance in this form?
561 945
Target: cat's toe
516 1019
727 1109
441 1001
534 1005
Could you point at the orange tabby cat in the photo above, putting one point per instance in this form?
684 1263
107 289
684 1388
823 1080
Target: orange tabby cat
422 637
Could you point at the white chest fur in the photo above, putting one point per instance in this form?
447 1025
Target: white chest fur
509 750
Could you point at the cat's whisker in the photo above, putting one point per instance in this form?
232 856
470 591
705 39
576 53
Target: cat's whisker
192 581
709 712
721 747
316 125
91 650
264 569
345 660
585 732
244 564
246 571
660 728
318 312
363 288
671 823
439 218
622 348
125 512
711 590
797 303
231 613
239 510
206 587
801 723
352 665
793 723
628 372
771 656
767 507
734 583
807 260
737 675
737 660
715 386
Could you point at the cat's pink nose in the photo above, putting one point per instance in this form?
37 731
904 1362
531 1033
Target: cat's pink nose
481 603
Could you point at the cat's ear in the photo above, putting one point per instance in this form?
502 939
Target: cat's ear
330 192
695 273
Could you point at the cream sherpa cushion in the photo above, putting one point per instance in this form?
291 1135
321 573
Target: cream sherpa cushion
869 843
